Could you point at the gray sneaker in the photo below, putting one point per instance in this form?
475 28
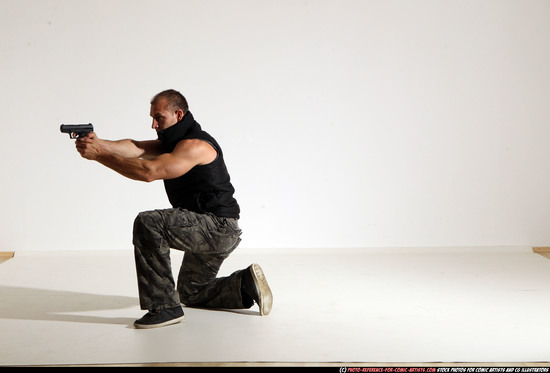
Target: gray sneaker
156 319
256 286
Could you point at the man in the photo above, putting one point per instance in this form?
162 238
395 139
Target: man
203 221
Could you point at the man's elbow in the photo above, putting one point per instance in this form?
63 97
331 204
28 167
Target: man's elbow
152 172
148 177
148 173
155 170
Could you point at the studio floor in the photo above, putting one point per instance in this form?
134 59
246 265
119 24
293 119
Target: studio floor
368 307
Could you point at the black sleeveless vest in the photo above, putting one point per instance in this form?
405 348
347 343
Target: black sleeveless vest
204 189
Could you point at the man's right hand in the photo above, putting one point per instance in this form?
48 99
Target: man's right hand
89 146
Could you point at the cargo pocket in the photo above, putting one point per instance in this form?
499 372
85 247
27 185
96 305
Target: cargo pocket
224 239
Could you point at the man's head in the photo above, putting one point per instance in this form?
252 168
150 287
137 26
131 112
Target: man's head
168 108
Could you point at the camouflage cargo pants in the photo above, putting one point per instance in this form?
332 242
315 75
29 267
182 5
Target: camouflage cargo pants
207 241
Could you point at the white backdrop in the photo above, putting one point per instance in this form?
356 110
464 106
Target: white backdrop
345 123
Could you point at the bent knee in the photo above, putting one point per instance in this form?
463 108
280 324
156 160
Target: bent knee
147 219
146 224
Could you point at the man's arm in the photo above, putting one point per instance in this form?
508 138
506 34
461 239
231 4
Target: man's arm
186 155
131 148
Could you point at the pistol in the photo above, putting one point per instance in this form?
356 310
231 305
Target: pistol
76 131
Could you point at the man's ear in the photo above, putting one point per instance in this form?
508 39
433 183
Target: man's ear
179 114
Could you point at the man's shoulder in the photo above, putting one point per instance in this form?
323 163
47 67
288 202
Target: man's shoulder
196 148
191 143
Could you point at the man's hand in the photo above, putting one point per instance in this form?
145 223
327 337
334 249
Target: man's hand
89 146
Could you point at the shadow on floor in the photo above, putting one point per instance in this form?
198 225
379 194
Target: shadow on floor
55 305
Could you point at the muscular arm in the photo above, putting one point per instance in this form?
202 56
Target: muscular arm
131 148
120 156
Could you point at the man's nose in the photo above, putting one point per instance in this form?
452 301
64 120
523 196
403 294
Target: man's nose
155 125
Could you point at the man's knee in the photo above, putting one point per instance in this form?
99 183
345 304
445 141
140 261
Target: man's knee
146 226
